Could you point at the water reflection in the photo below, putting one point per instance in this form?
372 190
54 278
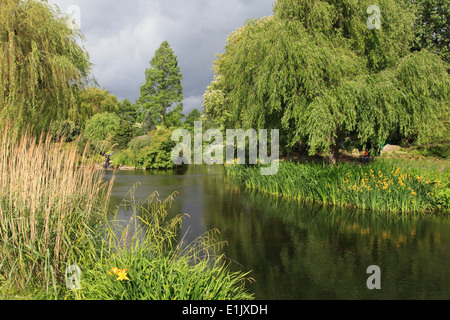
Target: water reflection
298 251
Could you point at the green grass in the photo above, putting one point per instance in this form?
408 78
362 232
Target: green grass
386 185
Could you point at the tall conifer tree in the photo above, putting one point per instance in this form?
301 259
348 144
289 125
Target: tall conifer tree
162 94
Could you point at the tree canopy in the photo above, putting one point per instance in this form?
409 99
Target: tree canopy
101 129
42 64
316 71
193 116
92 101
162 94
432 27
128 112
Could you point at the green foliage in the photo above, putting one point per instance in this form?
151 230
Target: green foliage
42 65
148 123
440 151
195 115
162 278
67 130
156 265
123 158
153 151
162 89
174 117
124 134
92 101
431 27
436 152
316 72
101 128
139 143
128 112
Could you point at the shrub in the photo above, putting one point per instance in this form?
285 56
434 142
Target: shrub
153 151
67 130
123 135
439 151
102 127
138 143
124 157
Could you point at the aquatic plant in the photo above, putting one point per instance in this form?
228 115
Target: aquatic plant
154 264
379 186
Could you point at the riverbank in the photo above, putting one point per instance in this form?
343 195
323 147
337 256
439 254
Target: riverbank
393 185
58 241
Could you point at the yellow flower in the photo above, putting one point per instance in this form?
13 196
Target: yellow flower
113 271
122 275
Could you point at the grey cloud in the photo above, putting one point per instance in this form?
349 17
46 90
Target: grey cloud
122 37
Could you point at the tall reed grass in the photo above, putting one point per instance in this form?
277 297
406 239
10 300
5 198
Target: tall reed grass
379 186
51 199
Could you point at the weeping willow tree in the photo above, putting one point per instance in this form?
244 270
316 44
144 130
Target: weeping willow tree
316 71
42 65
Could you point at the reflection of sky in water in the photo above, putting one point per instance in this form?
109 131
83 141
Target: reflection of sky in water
190 198
298 251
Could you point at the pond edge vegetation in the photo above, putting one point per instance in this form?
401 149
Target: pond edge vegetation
384 186
54 214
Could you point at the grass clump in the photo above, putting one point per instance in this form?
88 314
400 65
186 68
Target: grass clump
145 261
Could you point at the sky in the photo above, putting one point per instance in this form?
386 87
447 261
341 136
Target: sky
121 37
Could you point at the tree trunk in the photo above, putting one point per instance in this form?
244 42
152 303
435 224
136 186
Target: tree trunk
333 156
301 148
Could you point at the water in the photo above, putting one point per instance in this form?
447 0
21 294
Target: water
296 251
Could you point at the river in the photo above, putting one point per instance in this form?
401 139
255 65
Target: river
303 252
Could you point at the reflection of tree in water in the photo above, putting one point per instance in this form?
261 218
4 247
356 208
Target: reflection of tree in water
299 251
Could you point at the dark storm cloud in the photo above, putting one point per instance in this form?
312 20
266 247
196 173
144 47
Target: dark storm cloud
122 37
